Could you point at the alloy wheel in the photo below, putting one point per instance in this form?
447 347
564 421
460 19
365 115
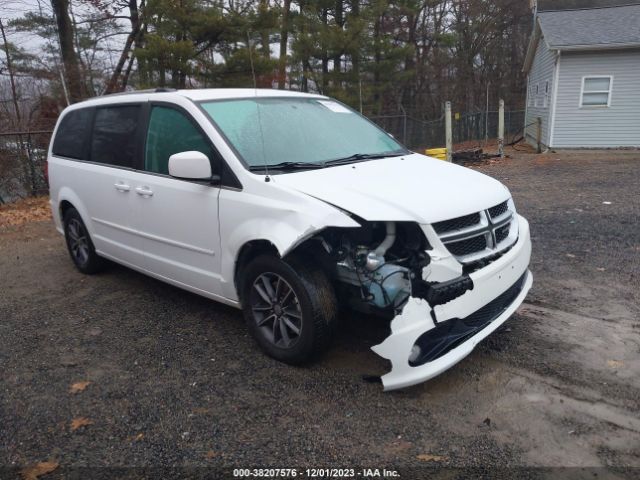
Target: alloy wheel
78 241
276 310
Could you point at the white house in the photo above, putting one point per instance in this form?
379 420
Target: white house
583 74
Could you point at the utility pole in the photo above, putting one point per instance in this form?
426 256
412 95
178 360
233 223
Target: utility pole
404 124
447 126
501 128
486 117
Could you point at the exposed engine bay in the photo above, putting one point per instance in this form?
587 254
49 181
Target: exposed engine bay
384 263
440 309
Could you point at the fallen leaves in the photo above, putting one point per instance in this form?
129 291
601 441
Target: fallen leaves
78 387
427 457
201 411
397 447
210 454
41 468
79 422
136 438
33 209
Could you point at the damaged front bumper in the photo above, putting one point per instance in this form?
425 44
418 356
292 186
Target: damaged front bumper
426 341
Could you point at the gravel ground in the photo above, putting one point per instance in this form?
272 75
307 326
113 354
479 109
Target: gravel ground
174 379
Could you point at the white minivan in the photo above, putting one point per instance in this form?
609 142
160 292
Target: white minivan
288 205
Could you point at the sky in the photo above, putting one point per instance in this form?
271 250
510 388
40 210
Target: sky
10 9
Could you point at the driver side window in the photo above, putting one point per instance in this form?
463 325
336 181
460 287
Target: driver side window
171 131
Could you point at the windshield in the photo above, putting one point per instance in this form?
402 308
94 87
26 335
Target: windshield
301 132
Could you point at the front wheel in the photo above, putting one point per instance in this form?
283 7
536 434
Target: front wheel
289 306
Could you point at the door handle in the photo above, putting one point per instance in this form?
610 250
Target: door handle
144 191
122 187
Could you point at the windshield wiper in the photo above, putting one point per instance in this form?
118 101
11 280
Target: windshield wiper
356 157
287 166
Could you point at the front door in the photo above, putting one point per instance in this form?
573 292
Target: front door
177 220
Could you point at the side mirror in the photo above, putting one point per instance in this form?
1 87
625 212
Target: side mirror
190 165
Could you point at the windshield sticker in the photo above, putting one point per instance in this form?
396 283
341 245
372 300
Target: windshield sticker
334 107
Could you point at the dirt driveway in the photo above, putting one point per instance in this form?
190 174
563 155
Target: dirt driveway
174 379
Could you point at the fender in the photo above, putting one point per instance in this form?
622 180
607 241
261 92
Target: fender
65 193
285 223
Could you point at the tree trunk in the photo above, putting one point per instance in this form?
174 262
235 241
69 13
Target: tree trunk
264 33
284 39
68 53
18 124
305 61
355 55
337 58
408 88
143 64
377 58
324 54
14 94
112 85
85 72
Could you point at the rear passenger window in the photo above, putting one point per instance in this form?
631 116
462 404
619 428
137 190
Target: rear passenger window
171 131
114 138
72 134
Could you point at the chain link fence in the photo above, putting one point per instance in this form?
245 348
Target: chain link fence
23 159
23 155
420 134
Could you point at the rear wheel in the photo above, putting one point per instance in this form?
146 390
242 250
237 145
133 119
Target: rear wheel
289 306
79 244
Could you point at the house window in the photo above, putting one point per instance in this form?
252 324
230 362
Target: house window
533 95
546 95
596 91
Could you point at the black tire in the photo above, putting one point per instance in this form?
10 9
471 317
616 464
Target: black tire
81 249
315 303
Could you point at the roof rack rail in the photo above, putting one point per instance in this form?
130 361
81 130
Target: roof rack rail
147 90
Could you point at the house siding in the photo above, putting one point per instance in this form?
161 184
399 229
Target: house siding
615 126
542 69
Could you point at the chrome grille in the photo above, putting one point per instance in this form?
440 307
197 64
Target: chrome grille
478 235
498 209
457 223
502 233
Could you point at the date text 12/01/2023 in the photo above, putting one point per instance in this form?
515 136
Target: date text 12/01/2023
315 473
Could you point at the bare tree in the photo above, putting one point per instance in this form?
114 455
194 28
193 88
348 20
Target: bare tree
14 94
69 57
132 37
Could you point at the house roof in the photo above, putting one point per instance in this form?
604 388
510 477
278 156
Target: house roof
592 27
586 29
545 5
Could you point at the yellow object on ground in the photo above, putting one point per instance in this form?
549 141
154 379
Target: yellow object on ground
439 153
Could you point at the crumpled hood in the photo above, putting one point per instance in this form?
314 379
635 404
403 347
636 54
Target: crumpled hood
410 188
